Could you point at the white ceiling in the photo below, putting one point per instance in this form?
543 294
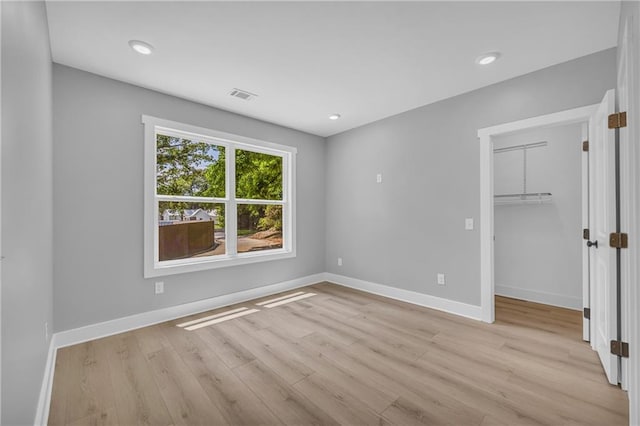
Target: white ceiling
306 60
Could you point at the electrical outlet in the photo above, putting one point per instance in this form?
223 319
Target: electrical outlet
379 178
159 287
468 224
339 261
46 331
441 279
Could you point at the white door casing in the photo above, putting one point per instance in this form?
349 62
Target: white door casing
485 135
602 221
629 101
627 190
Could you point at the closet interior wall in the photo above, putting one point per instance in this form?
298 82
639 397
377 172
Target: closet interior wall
538 244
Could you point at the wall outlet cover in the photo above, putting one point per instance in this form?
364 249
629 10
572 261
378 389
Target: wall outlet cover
468 224
441 280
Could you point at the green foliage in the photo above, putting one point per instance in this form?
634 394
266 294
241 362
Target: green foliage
197 169
182 165
272 219
216 177
258 176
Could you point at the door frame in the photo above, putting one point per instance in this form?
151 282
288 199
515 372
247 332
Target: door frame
0 214
586 258
485 135
628 97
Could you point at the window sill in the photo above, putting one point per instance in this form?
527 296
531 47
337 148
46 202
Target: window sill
194 265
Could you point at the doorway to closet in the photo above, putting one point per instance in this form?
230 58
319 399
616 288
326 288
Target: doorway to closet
601 285
538 207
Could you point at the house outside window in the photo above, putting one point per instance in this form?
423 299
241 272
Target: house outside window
214 199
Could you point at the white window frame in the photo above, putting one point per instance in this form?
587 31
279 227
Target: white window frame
152 266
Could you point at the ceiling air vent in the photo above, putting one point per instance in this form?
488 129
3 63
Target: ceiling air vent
242 94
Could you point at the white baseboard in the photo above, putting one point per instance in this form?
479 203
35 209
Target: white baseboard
540 297
42 410
426 300
121 325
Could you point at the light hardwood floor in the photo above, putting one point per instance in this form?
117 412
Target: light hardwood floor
342 357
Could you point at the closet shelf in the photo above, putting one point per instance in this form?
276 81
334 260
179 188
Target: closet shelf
524 198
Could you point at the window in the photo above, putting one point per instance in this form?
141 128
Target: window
214 199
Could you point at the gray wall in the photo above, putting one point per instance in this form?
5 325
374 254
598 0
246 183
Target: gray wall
402 232
27 300
98 180
538 247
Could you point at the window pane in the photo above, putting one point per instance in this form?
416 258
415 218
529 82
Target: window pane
187 230
186 167
259 227
258 176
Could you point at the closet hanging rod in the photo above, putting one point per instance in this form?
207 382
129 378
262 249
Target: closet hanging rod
520 147
525 198
530 194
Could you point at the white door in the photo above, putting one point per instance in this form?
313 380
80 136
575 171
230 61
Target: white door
602 221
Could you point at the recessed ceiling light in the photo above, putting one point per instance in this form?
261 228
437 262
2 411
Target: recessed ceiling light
141 47
334 116
487 58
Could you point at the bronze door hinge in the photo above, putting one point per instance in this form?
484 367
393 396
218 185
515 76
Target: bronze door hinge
620 348
618 120
618 240
585 146
586 312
